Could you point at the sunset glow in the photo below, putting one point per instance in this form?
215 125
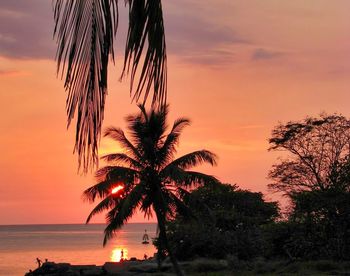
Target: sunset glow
236 68
118 254
117 189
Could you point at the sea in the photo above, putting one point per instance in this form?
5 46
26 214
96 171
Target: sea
21 245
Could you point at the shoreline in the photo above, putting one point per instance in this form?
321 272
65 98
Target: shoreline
200 267
127 267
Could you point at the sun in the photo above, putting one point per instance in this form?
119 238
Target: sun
119 254
117 189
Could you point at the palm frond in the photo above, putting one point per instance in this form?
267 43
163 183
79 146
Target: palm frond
182 193
121 159
181 208
122 212
108 177
105 204
146 27
145 126
146 206
168 149
101 189
196 178
118 135
85 30
193 159
178 177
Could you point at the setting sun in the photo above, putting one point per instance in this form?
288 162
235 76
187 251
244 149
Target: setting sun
117 189
119 254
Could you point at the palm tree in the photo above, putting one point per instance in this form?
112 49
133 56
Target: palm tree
85 31
152 179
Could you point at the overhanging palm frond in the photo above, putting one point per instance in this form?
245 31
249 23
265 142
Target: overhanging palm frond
146 27
85 30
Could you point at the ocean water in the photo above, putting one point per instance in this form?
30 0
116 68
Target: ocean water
20 245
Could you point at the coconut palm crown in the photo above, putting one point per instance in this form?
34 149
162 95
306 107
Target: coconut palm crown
153 180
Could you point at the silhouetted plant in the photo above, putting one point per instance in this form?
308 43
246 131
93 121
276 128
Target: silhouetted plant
152 179
318 151
228 221
316 178
85 32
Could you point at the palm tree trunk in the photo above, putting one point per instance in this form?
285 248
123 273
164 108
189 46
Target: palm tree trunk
164 240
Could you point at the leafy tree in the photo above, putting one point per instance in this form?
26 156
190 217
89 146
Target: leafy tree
85 32
318 153
152 179
326 219
227 220
316 177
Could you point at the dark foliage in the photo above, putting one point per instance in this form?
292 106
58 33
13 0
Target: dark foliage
318 151
316 178
227 221
153 180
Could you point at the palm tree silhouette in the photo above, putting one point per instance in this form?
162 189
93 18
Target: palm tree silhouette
85 31
153 180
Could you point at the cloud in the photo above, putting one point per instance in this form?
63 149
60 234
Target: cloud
26 29
195 38
9 73
192 34
210 57
263 54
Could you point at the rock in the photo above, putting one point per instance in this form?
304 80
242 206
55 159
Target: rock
113 267
50 268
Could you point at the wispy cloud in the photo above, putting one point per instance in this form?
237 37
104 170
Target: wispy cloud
196 38
26 29
6 73
263 54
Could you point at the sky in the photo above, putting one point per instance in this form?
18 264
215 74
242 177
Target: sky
236 68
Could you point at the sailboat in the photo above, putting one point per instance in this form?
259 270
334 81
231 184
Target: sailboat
145 238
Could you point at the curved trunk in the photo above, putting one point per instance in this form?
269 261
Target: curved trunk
164 242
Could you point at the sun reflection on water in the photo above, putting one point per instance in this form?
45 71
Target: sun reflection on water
118 254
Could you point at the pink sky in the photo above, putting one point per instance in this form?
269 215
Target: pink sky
236 68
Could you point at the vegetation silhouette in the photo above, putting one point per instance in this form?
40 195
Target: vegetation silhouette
85 31
316 178
231 222
153 179
242 227
318 155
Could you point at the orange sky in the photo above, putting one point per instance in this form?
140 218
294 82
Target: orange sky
236 68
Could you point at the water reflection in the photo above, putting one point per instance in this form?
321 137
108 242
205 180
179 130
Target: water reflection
118 254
